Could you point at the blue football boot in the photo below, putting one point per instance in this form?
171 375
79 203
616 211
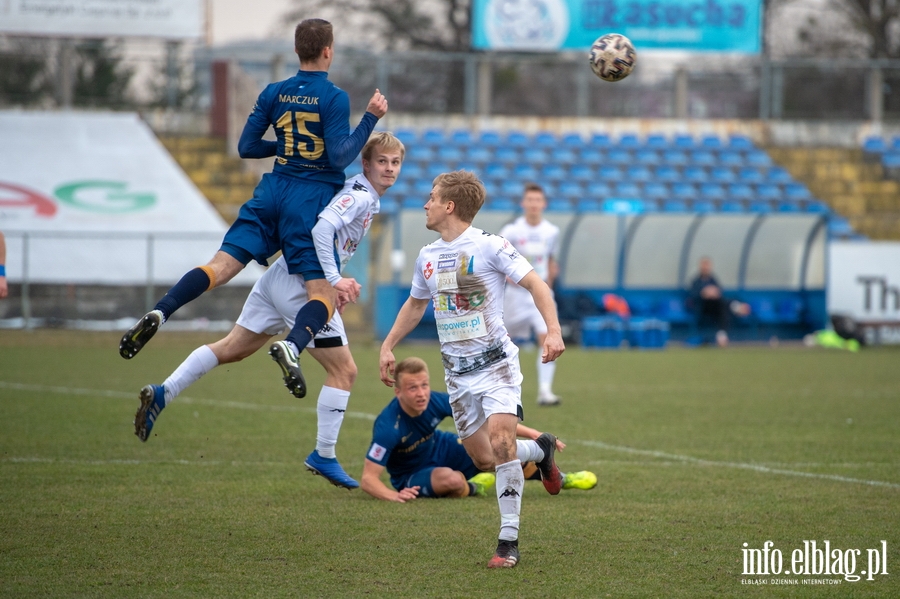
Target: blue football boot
153 400
330 469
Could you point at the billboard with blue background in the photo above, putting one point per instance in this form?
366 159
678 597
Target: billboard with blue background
548 25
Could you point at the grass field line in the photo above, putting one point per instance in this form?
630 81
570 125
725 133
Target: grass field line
181 399
740 465
366 416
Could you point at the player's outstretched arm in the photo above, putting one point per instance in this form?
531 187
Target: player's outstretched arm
371 484
526 432
543 299
409 316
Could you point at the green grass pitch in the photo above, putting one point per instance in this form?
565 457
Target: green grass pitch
697 452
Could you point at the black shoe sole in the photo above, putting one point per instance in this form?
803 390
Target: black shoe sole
137 336
140 417
295 383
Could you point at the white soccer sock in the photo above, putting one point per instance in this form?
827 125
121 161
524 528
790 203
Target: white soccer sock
201 361
510 485
545 374
330 408
528 451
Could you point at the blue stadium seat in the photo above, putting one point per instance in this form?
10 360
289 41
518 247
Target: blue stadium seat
411 170
591 156
552 172
581 172
722 174
891 159
433 137
647 156
492 187
563 156
684 191
550 189
490 139
629 141
535 156
619 156
732 206
627 189
414 202
598 190
703 206
711 142
683 141
740 191
467 165
511 188
525 172
785 206
433 169
449 153
622 206
702 158
588 206
545 139
497 170
656 191
675 157
790 310
712 191
571 190
650 205
638 173
403 186
675 206
601 141
778 174
506 154
895 142
461 137
741 143
760 206
409 137
750 175
694 174
731 159
797 192
609 172
768 191
839 226
817 207
517 139
479 154
421 189
389 206
655 141
559 205
572 140
758 158
874 145
500 203
420 153
667 174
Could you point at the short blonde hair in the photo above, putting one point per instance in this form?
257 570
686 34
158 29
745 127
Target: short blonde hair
411 365
388 143
464 189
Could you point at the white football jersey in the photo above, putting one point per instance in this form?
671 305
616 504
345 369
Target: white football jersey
537 243
351 212
465 278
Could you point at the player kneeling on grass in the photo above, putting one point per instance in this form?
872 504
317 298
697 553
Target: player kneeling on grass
277 297
425 462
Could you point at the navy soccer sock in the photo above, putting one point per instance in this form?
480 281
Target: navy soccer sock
190 287
310 320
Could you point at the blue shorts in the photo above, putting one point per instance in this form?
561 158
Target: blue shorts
280 216
448 453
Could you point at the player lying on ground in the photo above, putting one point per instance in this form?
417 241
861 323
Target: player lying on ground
310 117
425 462
275 299
464 273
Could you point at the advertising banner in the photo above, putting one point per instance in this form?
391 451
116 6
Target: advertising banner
864 284
548 25
94 197
169 19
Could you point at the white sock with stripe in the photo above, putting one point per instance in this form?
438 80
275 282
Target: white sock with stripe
510 485
201 361
330 408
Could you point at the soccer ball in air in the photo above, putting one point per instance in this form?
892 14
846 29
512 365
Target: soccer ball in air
612 57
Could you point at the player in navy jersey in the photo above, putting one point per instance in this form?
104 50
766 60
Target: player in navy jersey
310 116
423 461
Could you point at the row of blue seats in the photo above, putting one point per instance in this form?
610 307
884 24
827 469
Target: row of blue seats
554 173
625 188
540 156
630 206
546 139
879 145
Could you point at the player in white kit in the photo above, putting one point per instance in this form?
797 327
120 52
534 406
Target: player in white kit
464 273
276 298
538 240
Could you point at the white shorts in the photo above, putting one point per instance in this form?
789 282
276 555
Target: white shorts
520 316
273 304
474 396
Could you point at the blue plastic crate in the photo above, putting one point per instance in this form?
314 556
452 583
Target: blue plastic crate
603 332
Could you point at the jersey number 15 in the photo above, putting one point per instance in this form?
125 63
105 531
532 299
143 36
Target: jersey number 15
307 144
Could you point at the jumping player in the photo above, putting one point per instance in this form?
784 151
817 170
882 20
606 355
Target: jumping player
314 145
536 239
425 462
276 299
464 273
